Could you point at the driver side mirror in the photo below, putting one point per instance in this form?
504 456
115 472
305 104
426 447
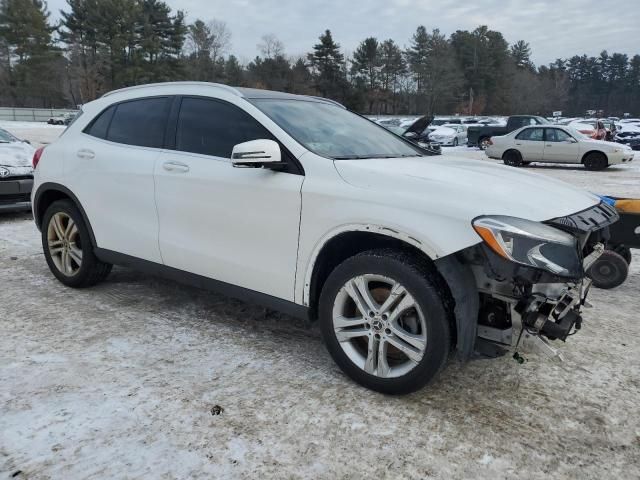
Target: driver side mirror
571 140
257 154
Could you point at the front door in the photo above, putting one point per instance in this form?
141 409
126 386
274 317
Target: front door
236 225
560 147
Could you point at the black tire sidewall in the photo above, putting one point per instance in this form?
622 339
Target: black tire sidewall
512 158
89 261
427 296
596 161
620 270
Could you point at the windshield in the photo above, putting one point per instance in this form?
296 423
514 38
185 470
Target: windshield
332 131
6 137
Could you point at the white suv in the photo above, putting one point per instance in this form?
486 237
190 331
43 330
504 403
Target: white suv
298 204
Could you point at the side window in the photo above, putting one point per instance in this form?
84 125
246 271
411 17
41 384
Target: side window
98 127
531 134
140 122
212 127
557 135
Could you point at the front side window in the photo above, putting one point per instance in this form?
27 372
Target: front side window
331 131
531 134
140 122
211 127
557 135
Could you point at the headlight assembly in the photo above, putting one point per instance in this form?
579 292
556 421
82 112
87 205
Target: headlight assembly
531 243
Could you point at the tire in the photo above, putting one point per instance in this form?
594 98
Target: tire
483 143
609 271
421 315
526 163
595 161
624 252
512 158
68 249
455 142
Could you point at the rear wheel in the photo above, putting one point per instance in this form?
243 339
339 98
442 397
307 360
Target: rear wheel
595 161
609 271
512 158
68 249
384 321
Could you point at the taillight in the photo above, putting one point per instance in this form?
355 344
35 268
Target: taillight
36 157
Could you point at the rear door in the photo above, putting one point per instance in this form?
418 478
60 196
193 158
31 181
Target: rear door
530 143
560 147
111 170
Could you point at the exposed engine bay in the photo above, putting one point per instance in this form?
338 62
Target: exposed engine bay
531 279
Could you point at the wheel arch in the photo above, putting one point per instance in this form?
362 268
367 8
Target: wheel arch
599 152
349 240
347 243
50 192
511 150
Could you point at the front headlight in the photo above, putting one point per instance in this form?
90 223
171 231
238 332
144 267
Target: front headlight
533 244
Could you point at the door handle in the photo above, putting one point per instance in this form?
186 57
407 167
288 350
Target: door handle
549 145
177 167
86 154
518 143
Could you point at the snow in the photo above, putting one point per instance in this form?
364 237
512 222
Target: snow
118 381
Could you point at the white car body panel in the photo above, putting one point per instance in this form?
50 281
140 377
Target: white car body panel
16 157
242 226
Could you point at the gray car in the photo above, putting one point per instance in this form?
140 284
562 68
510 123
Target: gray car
16 172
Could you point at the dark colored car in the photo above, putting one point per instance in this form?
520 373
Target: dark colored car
631 138
16 173
479 136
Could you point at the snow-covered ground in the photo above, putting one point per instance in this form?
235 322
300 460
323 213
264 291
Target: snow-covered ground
120 381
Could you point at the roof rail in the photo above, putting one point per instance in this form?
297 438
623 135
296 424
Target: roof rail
328 100
202 84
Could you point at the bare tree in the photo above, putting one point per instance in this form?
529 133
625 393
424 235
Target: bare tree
220 38
271 46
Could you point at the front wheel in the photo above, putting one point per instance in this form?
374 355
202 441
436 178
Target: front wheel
384 320
68 249
595 161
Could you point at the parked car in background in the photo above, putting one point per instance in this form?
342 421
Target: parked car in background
16 172
449 134
62 119
556 144
417 131
593 129
479 136
437 122
298 204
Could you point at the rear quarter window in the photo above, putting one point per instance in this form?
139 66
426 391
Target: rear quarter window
140 122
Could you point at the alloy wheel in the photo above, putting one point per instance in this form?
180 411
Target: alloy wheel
64 243
379 326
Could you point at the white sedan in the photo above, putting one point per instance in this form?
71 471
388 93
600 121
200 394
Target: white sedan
449 134
556 144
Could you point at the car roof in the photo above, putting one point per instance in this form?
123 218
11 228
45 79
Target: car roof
248 93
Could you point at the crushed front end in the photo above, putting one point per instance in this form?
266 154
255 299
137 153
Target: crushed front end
531 276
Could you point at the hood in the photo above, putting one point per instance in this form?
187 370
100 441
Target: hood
462 189
419 125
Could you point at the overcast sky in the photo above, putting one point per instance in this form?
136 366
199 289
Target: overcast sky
554 28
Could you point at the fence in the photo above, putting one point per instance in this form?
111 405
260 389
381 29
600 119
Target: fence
31 114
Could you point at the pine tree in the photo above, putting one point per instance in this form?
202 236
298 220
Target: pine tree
327 64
